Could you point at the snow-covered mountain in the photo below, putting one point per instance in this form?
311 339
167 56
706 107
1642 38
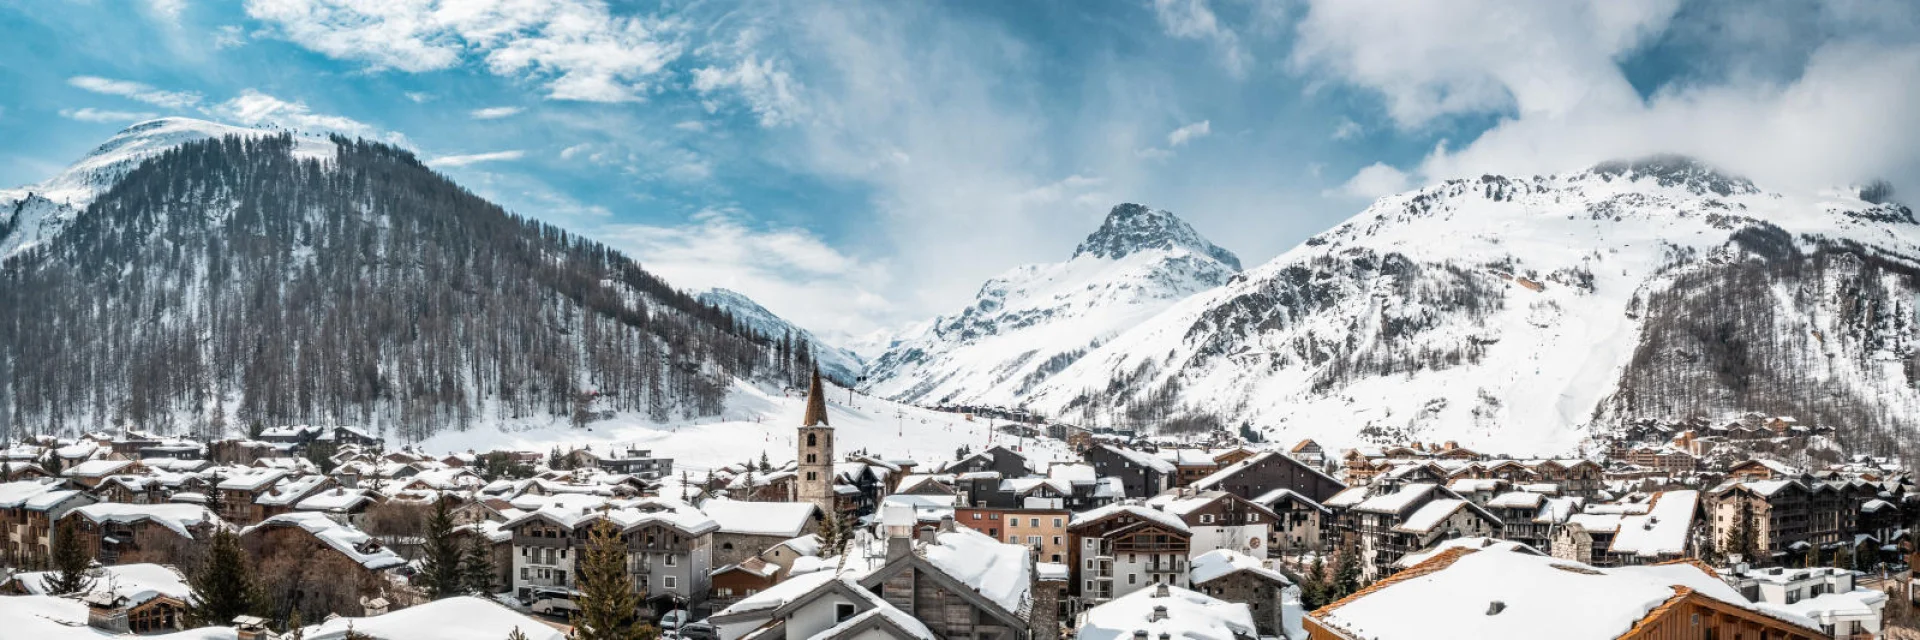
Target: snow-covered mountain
1513 313
1036 320
34 214
837 363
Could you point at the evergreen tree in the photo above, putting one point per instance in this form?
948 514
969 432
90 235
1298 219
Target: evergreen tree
54 464
295 631
765 464
833 536
70 562
1313 586
609 609
517 634
255 429
440 573
1346 575
1744 538
476 566
223 588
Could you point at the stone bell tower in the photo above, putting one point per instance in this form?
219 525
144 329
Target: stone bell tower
815 481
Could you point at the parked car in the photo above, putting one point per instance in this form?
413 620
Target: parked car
673 619
701 630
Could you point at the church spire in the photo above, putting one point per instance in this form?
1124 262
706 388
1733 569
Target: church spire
816 404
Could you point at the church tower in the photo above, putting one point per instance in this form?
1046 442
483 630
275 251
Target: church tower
815 483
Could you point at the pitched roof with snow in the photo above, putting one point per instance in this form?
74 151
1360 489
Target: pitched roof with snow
1155 516
1431 515
353 543
1662 530
1537 596
1397 501
460 618
96 468
786 519
179 518
138 583
1140 459
1189 616
1215 564
1001 572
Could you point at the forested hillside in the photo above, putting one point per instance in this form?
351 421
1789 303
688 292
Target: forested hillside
231 281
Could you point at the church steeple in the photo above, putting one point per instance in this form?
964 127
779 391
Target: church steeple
816 404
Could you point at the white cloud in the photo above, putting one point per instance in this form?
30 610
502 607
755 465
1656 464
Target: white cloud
1194 20
229 36
167 10
771 93
691 125
1373 181
1152 153
578 49
1436 59
90 114
1189 133
419 97
476 158
494 113
1347 129
254 108
791 271
1553 71
137 91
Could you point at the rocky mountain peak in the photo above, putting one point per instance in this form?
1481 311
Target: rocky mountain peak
1131 228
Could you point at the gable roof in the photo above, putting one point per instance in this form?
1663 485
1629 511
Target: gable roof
784 519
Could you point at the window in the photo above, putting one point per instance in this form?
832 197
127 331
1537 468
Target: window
669 582
976 515
1013 523
842 611
526 574
1033 541
1056 541
1206 518
1133 578
993 516
810 458
810 476
813 439
724 592
1033 522
671 560
1057 522
726 546
1013 539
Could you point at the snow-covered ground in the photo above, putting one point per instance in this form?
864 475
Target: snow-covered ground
759 420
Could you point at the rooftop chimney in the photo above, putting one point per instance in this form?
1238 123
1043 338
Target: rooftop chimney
1159 613
251 628
1495 607
1140 634
1161 591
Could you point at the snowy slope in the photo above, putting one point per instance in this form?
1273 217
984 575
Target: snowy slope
757 420
837 363
32 214
1499 312
1034 320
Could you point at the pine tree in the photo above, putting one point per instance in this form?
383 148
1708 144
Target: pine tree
440 557
1346 575
609 609
70 562
223 588
54 464
295 630
517 635
476 566
1744 538
765 464
1313 586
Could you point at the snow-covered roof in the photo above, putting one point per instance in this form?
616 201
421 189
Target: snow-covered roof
780 594
786 519
1516 500
1470 485
1151 515
353 543
1431 515
1663 530
1827 608
96 468
1220 562
1141 459
1476 543
461 618
1537 596
807 545
1277 496
1397 501
50 618
136 582
290 490
1189 616
574 510
16 494
176 517
1001 572
1228 471
252 480
337 498
1348 497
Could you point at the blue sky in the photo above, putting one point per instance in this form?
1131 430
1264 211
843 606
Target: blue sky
862 164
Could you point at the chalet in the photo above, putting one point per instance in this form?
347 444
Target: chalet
28 511
1119 549
115 533
91 473
1668 526
1269 470
340 503
733 582
938 582
1140 474
1007 462
238 494
130 598
1780 515
1752 470
1189 465
1309 452
1167 611
305 548
1237 577
1300 524
1219 520
787 552
1501 595
633 461
288 492
1393 523
748 528
871 479
670 550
